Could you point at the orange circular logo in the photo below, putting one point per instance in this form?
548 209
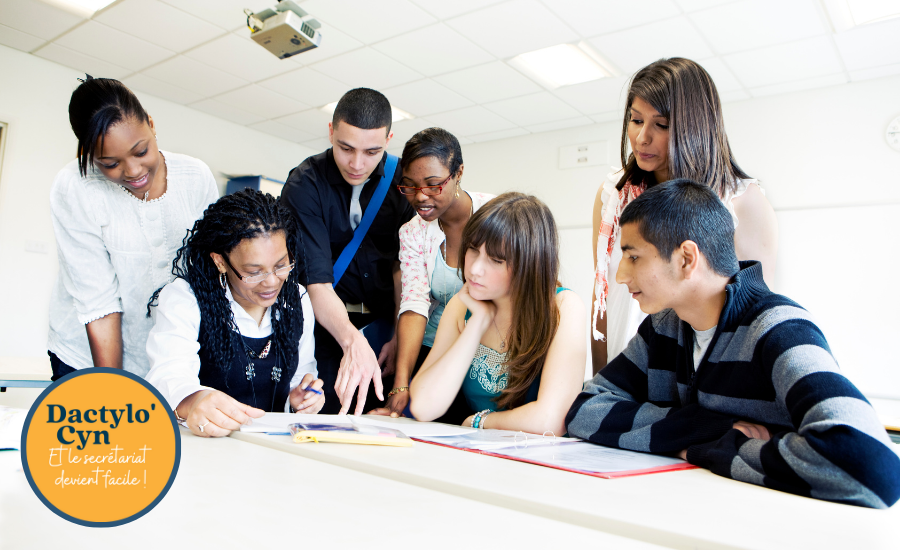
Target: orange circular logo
100 447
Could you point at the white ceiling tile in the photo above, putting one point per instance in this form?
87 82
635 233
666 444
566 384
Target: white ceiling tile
514 27
722 76
435 49
502 134
442 9
533 109
242 58
635 48
83 63
800 60
464 140
425 97
560 124
262 102
195 76
875 72
870 45
114 46
593 17
159 24
697 5
19 40
140 82
597 96
366 68
609 116
489 82
733 95
471 120
282 131
798 85
227 112
311 121
320 144
227 14
334 42
37 18
369 21
308 86
405 129
755 23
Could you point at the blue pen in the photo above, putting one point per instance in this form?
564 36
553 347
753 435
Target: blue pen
314 390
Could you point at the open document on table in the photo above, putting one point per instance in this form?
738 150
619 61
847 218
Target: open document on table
278 423
563 453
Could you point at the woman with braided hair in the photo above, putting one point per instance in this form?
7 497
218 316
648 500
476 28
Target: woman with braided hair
233 334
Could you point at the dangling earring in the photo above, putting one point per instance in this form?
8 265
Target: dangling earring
222 279
457 188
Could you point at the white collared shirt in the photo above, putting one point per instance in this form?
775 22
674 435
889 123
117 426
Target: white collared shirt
173 342
115 250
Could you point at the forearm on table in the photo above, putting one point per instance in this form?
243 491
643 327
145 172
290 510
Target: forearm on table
105 340
331 313
532 418
436 384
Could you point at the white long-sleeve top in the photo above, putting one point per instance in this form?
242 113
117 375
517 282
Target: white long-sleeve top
115 250
420 244
173 342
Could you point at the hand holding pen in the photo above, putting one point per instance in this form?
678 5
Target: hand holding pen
308 397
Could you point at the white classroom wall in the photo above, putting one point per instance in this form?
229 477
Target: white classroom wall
34 99
820 154
834 182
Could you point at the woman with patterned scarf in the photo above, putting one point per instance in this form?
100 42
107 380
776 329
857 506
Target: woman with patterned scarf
673 128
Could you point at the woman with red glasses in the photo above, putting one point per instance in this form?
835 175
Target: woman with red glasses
233 334
432 168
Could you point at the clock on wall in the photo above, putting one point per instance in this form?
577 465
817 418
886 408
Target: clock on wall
892 134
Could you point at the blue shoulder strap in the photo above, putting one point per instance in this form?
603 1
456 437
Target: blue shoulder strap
340 266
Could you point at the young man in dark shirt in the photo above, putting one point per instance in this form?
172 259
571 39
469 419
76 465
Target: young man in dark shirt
725 373
329 194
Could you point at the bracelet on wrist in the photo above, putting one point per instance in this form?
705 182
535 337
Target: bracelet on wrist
395 391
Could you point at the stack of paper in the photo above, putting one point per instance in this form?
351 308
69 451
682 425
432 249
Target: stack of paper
278 423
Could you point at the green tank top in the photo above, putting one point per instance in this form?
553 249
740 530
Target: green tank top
487 377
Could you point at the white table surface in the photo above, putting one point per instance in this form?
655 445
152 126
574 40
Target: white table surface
25 368
231 494
687 509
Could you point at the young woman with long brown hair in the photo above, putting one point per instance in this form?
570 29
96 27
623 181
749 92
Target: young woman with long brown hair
673 128
512 338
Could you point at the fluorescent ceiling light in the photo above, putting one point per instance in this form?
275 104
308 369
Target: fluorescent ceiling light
396 114
83 8
560 65
847 14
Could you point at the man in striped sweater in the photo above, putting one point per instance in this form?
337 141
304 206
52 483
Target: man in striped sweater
725 373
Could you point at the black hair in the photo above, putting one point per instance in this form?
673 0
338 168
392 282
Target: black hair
433 142
233 218
96 105
683 210
364 108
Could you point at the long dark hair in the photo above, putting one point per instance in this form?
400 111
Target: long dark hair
682 91
520 229
246 214
96 105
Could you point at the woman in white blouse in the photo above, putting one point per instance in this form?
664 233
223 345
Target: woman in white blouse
233 334
119 211
432 167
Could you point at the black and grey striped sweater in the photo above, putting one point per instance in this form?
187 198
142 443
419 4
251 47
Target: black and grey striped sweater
768 363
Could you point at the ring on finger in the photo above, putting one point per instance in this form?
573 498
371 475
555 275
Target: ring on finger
201 426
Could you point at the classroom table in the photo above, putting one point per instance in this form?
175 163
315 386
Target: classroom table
691 509
24 372
232 494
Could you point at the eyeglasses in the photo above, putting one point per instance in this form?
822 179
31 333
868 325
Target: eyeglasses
281 273
429 190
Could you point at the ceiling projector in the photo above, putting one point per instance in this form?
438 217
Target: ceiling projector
284 30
